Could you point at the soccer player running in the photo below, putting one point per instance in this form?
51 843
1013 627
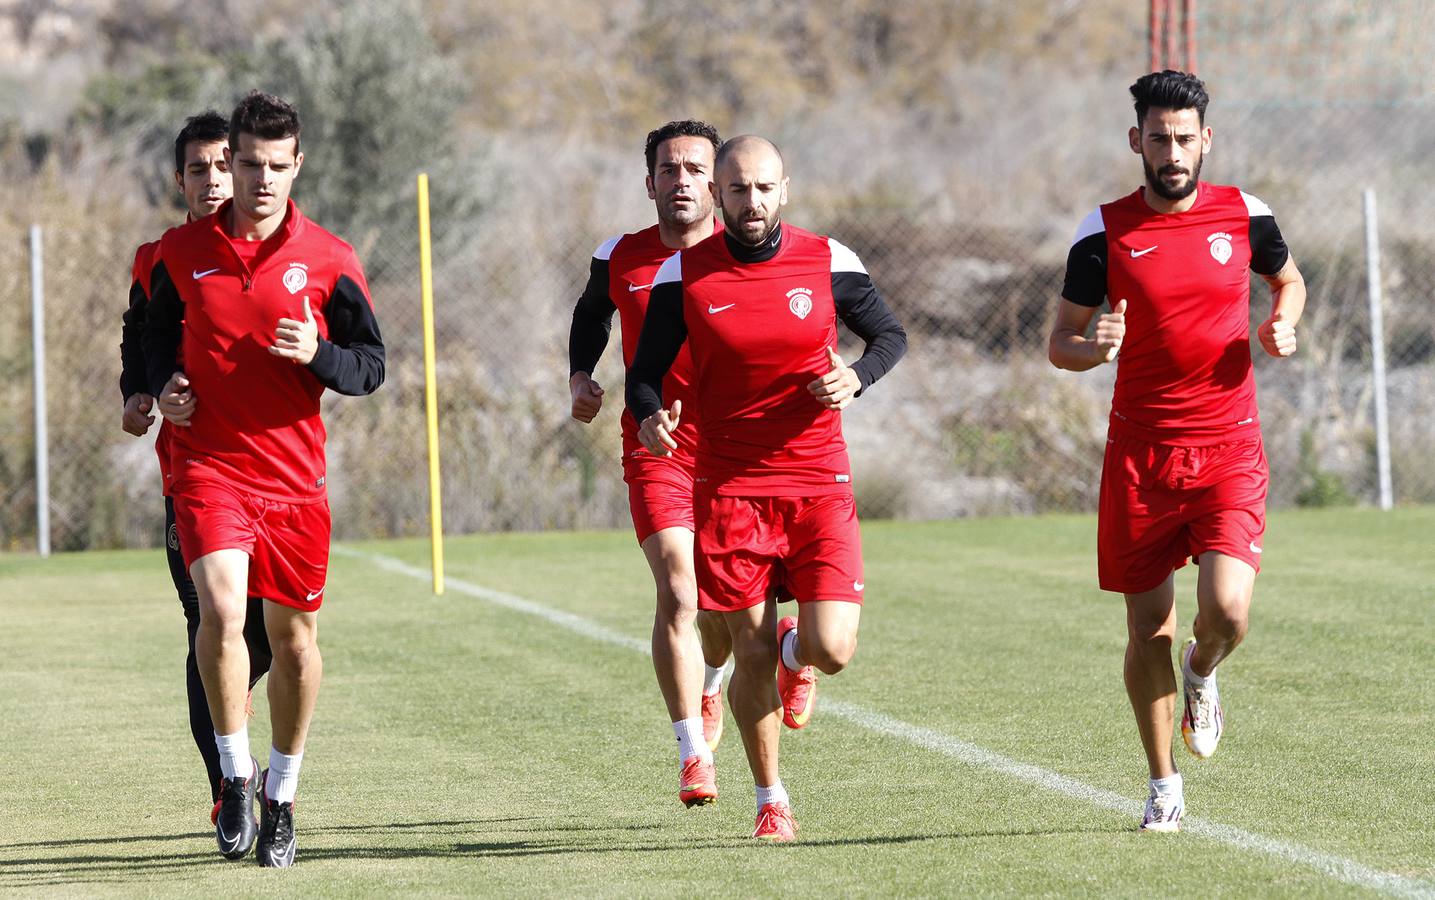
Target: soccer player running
757 307
266 310
680 159
202 177
1185 473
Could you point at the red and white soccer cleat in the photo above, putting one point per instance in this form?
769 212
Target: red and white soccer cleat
798 689
1163 812
775 823
1203 722
712 719
697 784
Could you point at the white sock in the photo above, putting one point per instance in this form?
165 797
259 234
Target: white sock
712 679
691 741
282 782
1190 674
234 758
773 794
1170 786
789 651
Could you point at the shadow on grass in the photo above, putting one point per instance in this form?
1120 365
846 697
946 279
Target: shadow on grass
112 868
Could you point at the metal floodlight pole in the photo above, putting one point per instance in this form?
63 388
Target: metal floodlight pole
42 440
1377 351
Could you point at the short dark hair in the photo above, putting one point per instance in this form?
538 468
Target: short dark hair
1169 89
264 116
208 127
683 128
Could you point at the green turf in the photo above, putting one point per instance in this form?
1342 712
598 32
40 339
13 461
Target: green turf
462 748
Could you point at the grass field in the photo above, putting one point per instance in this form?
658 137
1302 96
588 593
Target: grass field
980 743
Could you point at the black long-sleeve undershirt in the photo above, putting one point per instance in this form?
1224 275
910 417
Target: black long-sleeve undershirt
133 377
592 321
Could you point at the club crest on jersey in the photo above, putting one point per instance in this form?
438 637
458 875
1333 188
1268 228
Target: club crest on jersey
799 300
296 277
1220 247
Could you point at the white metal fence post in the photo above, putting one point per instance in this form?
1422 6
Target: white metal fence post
42 438
1377 351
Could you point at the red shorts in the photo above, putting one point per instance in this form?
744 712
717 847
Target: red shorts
660 492
1162 505
287 543
749 549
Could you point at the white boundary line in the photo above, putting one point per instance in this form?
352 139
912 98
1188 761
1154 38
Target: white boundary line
1337 867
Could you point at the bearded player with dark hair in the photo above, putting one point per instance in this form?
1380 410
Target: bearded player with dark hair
1185 474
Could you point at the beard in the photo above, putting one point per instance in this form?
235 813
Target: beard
1153 179
749 234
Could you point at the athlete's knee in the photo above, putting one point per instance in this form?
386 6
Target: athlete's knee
295 650
677 603
1227 624
751 652
222 622
1149 636
830 654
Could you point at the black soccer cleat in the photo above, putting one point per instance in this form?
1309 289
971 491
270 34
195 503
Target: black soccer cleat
235 827
276 834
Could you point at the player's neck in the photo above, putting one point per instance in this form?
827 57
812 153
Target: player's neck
248 229
1169 207
681 237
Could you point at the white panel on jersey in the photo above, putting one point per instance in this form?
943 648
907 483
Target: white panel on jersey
1092 224
605 249
1256 206
844 260
670 270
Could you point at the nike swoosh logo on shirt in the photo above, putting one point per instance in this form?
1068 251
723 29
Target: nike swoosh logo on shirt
313 595
1254 548
198 274
1135 253
858 585
717 309
634 288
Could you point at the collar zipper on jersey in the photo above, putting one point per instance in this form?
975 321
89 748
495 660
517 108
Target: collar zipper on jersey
286 232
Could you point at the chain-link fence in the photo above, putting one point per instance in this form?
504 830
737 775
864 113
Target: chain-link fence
962 216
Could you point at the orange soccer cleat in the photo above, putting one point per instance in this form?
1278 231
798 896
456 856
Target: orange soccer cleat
697 785
798 689
712 719
774 823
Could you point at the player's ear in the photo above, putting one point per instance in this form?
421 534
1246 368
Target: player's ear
298 163
179 181
1206 140
652 191
1134 136
782 197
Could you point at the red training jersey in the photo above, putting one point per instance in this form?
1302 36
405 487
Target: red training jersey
132 372
633 262
759 334
1184 373
256 423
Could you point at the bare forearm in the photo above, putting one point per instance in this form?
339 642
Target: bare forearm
1073 352
1288 301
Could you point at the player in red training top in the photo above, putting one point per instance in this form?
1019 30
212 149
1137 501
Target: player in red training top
757 306
680 159
266 310
202 177
1185 474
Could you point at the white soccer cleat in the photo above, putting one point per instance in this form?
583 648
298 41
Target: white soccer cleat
1163 812
1202 723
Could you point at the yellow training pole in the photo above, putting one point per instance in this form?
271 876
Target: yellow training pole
430 387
